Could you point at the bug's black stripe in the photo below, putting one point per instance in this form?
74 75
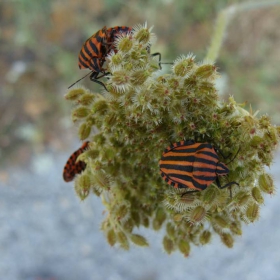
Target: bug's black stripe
90 53
211 154
122 28
83 55
192 146
94 64
118 29
99 39
204 178
188 179
208 153
82 63
203 160
204 145
86 50
187 168
178 158
187 150
194 176
188 159
94 48
181 176
205 169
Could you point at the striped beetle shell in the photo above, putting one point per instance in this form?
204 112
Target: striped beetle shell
74 167
187 164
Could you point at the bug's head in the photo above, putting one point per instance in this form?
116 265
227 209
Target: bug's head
222 169
104 30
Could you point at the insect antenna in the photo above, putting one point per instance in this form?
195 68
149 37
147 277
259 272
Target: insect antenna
234 157
80 79
226 157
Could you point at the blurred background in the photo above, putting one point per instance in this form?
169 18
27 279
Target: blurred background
46 232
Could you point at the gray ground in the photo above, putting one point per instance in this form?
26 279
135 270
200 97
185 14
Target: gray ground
46 231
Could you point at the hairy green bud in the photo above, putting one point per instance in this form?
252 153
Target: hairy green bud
75 94
205 237
252 212
83 186
266 183
123 240
227 239
125 44
86 99
80 113
184 247
168 245
256 193
111 237
84 131
138 240
197 214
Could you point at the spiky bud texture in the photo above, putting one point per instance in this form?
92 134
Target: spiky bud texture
142 112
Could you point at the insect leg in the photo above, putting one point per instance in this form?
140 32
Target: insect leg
221 153
159 58
226 185
94 77
234 156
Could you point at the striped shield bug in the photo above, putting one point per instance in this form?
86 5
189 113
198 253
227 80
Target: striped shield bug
95 49
74 167
187 164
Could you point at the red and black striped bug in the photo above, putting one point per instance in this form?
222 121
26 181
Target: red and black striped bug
74 167
95 49
187 164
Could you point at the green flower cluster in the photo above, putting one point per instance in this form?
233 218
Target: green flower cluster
140 115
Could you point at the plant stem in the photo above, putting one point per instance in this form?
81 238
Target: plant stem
223 20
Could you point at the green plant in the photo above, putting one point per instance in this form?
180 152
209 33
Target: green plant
142 112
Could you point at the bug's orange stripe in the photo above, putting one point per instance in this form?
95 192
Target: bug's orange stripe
220 168
202 174
207 157
171 162
186 183
175 171
203 182
194 146
92 52
174 154
84 61
204 165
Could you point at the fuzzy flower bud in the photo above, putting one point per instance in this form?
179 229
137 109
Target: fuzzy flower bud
82 186
183 65
139 240
168 245
74 94
84 131
124 44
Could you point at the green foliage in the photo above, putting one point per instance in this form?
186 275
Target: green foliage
138 117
